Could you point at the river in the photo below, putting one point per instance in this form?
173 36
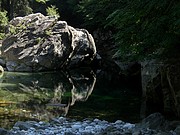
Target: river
77 94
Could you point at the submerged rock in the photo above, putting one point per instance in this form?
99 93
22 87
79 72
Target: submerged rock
37 43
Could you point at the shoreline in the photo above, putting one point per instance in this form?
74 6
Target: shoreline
155 124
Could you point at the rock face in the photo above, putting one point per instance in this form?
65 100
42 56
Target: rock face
160 84
161 87
39 43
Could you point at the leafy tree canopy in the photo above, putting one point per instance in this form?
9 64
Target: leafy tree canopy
142 27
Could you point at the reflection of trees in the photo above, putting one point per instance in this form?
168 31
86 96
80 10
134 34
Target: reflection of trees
48 95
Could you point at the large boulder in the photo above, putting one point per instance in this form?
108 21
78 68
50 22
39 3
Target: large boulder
37 43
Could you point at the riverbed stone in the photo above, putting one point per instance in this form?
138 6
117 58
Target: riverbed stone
84 127
3 131
76 126
22 125
153 121
177 130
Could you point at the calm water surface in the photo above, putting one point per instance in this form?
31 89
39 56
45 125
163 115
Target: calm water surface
76 94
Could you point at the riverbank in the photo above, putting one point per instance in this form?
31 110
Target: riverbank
155 124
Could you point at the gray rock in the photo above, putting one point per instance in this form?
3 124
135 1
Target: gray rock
93 127
2 62
76 126
137 133
43 43
25 125
177 130
153 121
3 131
69 133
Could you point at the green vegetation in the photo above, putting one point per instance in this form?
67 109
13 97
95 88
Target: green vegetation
42 1
52 11
12 29
147 27
3 23
16 8
16 29
39 40
141 27
48 32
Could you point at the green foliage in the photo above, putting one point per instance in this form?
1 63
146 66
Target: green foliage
95 12
141 27
42 1
3 18
21 8
67 10
52 11
2 35
48 32
12 29
16 8
15 29
3 23
146 27
39 40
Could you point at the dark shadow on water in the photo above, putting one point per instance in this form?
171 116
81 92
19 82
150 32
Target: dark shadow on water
112 99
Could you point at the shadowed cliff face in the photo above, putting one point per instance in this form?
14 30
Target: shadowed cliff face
159 82
41 43
161 87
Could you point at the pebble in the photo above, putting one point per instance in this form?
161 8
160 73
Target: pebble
128 126
64 126
77 126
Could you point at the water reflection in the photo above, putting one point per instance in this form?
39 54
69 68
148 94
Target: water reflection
42 96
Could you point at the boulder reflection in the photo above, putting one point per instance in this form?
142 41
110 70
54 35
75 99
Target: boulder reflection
45 95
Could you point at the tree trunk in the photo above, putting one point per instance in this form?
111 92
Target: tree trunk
11 2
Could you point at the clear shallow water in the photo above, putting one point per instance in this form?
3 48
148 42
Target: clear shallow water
77 94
